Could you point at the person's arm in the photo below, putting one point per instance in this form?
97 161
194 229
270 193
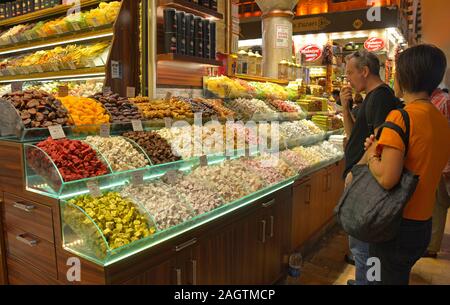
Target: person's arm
346 97
387 168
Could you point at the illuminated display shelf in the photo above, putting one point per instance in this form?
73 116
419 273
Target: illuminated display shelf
53 41
56 75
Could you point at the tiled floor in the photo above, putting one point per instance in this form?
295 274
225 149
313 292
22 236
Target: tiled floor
326 265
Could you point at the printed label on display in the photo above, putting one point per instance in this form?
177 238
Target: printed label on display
282 38
168 122
131 92
94 188
63 91
137 125
137 178
105 130
311 52
16 86
56 132
374 44
204 160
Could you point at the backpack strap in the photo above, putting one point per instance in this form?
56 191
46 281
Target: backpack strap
405 136
369 106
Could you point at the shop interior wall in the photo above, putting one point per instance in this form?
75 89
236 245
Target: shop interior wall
435 25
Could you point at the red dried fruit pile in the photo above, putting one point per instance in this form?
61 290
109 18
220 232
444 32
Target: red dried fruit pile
75 160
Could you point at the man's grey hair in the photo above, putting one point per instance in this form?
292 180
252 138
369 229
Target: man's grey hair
366 59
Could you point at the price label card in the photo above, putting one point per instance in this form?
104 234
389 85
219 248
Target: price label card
204 160
168 96
72 65
57 132
16 86
14 39
55 67
105 130
28 36
137 178
137 125
94 188
39 68
106 90
168 122
75 26
171 177
131 92
63 91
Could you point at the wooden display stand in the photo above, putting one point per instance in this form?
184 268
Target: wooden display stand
249 246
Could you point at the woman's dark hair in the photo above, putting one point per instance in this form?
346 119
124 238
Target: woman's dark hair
421 68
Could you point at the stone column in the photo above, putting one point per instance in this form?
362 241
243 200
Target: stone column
277 33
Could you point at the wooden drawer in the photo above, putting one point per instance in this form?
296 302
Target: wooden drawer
31 217
20 273
31 249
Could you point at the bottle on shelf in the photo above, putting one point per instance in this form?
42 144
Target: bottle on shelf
259 60
181 33
283 70
295 268
251 63
170 31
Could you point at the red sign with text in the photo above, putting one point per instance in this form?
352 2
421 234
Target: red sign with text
374 44
311 52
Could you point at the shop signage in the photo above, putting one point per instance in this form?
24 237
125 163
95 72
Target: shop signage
282 39
374 44
311 24
311 52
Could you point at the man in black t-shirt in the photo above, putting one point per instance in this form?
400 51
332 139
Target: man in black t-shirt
363 74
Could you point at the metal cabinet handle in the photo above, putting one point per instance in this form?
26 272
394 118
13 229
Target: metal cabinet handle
185 245
269 203
308 192
24 207
194 272
263 222
272 220
31 243
178 275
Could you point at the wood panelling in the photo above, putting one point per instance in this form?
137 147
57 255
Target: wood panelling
37 219
3 278
22 273
90 273
11 175
175 73
40 255
125 49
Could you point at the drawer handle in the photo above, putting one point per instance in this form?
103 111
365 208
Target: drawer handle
269 203
194 272
186 244
24 207
272 220
178 276
308 192
263 233
31 243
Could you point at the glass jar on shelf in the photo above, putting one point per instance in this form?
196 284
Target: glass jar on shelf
242 62
283 70
251 63
259 60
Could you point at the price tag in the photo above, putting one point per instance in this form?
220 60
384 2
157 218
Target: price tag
75 26
168 96
28 36
57 132
168 122
106 90
39 68
131 92
116 71
137 125
16 86
105 130
204 160
95 22
63 91
14 39
94 189
171 177
137 178
72 65
55 67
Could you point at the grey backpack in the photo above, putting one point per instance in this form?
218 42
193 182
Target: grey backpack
367 211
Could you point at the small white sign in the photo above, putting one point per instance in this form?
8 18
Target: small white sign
105 130
57 132
282 38
137 178
131 92
94 189
204 160
116 72
168 122
16 86
171 176
137 125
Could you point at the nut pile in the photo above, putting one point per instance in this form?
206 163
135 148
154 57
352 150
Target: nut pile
38 109
162 202
267 172
118 218
202 196
221 110
120 108
157 148
160 109
294 160
119 152
281 166
74 159
248 108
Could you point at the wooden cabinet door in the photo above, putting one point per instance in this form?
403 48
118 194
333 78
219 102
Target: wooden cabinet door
211 261
301 217
164 273
277 238
248 249
3 280
318 201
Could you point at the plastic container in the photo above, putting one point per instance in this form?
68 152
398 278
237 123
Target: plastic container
295 268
